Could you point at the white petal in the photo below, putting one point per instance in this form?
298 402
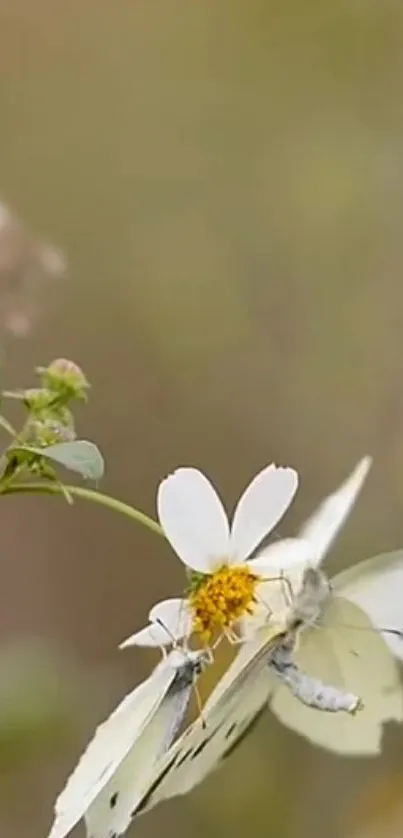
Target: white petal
153 635
174 616
170 621
193 519
260 508
282 556
322 528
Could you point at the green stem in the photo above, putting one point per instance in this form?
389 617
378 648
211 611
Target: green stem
85 494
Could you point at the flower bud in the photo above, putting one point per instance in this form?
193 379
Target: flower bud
65 378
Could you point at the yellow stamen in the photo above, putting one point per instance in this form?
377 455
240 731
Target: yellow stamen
222 598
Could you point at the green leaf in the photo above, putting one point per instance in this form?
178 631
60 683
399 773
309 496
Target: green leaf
79 455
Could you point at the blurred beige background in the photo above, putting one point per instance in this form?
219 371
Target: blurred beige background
226 180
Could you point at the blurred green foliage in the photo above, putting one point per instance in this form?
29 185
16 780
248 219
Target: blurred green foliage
37 697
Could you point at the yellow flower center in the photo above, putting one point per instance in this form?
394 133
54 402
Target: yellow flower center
221 599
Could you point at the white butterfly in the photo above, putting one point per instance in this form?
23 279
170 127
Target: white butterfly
341 638
345 648
358 659
231 711
114 771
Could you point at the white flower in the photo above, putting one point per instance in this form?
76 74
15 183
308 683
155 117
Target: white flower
227 581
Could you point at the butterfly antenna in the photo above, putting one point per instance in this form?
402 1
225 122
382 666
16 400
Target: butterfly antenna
171 636
394 631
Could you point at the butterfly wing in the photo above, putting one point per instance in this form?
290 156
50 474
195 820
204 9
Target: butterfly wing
111 812
376 586
109 747
233 707
314 540
322 528
355 659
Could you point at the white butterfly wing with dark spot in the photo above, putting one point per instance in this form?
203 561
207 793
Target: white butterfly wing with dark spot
233 707
376 585
109 747
111 812
357 660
